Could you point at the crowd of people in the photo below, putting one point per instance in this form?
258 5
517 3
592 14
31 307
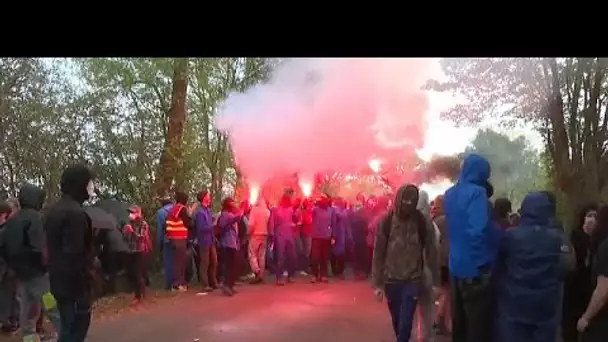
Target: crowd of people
460 265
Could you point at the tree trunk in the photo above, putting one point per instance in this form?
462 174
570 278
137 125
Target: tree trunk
169 167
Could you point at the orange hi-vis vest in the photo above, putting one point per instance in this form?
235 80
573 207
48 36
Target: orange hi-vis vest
176 230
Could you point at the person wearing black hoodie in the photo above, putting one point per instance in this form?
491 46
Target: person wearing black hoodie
25 244
9 305
70 252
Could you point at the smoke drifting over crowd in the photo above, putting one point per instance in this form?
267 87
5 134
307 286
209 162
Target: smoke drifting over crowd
318 115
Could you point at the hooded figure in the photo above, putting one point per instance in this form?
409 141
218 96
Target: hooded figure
473 249
530 282
25 249
426 303
70 252
403 245
342 238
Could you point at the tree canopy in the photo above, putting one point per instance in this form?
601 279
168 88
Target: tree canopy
564 98
516 168
125 117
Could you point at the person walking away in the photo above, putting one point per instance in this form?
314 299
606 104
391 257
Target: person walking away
204 224
358 223
443 324
282 230
578 285
24 242
229 243
177 224
528 275
70 253
323 225
9 306
163 243
473 251
341 237
137 235
425 310
400 252
258 239
593 324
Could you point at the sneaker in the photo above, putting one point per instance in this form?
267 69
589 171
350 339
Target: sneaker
314 280
182 288
280 282
304 274
227 291
136 302
290 280
324 280
206 290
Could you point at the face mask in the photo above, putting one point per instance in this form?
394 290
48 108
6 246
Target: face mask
91 189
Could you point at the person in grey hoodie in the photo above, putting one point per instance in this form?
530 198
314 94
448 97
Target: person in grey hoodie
24 239
425 312
403 244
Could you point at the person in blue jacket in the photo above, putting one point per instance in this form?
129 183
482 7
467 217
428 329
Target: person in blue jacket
282 231
162 242
342 237
529 273
227 225
204 224
472 252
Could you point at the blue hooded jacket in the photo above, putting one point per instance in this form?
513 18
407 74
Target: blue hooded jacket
468 216
529 269
282 223
161 225
203 222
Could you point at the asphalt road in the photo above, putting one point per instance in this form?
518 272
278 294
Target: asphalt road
343 311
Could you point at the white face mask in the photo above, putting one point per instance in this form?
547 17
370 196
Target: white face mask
91 189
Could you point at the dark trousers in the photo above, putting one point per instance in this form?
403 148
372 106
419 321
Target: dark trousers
75 319
208 267
167 254
285 252
229 257
136 272
402 299
319 257
515 331
337 265
473 309
179 261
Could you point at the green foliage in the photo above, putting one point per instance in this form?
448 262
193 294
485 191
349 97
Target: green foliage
113 113
516 168
564 98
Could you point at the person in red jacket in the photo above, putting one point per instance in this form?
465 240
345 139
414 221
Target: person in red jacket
305 235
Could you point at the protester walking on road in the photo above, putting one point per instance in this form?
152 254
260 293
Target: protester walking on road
70 252
402 246
473 250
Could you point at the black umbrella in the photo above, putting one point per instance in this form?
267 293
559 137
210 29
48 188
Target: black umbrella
120 210
100 219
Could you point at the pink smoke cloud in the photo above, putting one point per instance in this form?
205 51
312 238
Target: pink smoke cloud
317 115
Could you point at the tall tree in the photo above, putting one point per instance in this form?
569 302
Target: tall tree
566 100
169 168
515 166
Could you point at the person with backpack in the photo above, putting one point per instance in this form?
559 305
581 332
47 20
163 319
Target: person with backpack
204 224
163 242
137 236
402 246
176 232
25 244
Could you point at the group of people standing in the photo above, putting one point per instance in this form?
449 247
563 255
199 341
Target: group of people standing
500 276
307 236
